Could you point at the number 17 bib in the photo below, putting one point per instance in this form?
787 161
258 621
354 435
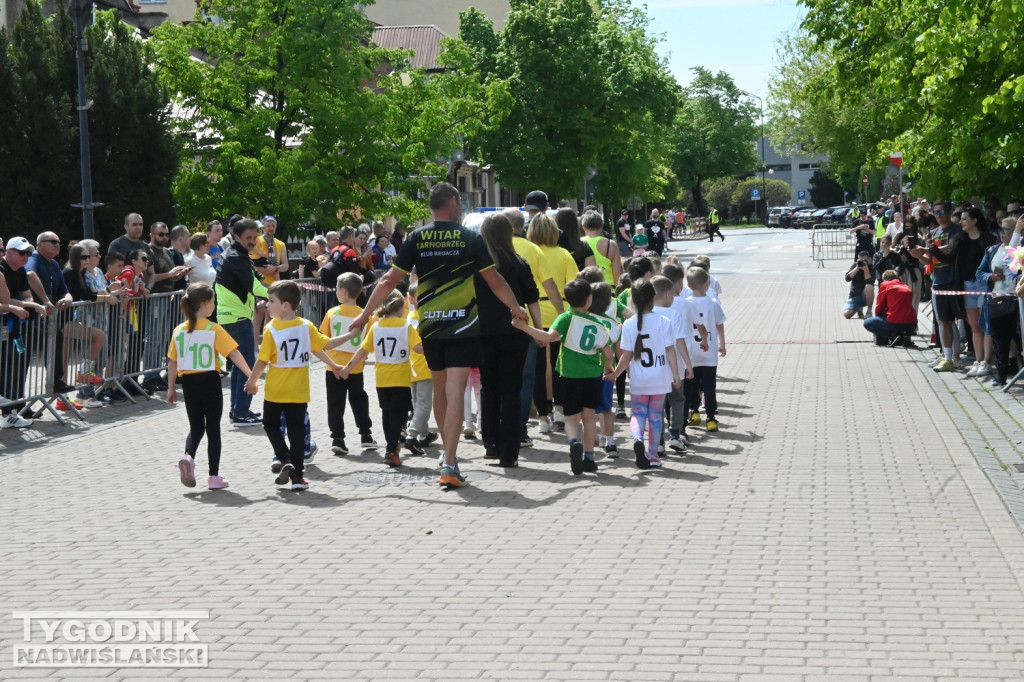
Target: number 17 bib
293 346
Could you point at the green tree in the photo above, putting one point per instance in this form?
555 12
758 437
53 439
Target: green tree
714 133
776 193
294 111
824 190
718 194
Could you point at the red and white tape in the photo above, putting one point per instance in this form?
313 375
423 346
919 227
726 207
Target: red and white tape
943 292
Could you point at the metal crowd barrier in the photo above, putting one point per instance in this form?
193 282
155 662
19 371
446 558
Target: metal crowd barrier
828 243
89 347
1020 319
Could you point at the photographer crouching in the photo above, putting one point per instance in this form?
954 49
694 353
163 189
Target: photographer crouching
895 316
862 286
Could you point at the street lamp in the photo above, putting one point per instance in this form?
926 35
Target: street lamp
764 188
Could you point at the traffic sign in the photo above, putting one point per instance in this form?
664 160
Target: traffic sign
801 195
755 194
864 180
896 158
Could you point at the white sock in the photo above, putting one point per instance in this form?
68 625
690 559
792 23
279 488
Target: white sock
947 353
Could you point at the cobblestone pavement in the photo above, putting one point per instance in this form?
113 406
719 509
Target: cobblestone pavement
852 520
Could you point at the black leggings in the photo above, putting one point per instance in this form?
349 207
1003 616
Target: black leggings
540 384
620 389
295 422
1004 330
501 379
395 406
204 405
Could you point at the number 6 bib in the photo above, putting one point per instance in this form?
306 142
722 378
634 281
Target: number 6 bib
195 350
293 346
585 336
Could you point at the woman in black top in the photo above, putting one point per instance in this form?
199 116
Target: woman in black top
504 347
83 317
569 238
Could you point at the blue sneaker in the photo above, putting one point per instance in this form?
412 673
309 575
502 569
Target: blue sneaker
451 477
307 458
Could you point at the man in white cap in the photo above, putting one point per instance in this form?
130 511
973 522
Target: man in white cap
17 354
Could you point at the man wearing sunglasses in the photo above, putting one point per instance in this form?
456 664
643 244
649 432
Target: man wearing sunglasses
125 245
16 356
52 292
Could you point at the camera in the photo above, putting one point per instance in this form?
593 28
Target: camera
862 262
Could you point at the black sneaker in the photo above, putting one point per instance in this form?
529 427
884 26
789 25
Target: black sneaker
246 421
612 451
576 458
413 447
491 452
428 440
621 413
367 442
525 442
589 466
286 474
338 447
641 455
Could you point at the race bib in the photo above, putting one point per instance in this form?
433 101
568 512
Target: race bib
196 350
585 336
339 326
391 344
293 346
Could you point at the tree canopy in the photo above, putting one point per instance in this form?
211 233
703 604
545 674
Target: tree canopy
714 133
941 83
293 111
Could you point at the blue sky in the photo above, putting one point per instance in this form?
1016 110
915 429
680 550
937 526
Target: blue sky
735 36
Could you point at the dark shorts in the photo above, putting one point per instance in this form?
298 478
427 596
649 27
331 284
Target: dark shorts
444 353
578 394
607 389
948 308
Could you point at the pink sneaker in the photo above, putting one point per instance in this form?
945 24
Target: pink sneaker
187 467
217 482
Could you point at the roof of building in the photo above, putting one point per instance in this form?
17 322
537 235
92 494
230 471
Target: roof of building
423 40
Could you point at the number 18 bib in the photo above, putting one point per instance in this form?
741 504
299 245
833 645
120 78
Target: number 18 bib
339 326
293 346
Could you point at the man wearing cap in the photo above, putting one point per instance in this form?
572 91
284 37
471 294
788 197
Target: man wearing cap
52 292
536 202
16 355
270 255
623 234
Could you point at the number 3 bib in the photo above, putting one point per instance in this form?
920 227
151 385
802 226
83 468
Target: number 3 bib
293 346
391 344
195 349
586 336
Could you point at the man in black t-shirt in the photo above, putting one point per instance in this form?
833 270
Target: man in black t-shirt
623 235
17 352
446 257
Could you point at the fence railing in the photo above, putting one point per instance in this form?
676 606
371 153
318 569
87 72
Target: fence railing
89 347
829 243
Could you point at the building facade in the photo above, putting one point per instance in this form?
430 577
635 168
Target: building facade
795 168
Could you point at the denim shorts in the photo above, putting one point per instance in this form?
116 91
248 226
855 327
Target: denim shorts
856 302
974 302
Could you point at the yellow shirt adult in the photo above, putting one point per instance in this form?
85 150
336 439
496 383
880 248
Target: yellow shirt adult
562 268
336 323
200 349
288 346
392 351
278 256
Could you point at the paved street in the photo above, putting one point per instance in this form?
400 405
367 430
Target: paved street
856 518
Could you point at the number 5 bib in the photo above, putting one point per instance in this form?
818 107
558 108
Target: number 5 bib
586 336
195 349
391 344
293 346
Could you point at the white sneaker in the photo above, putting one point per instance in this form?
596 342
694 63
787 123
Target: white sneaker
92 402
935 363
982 370
558 419
13 421
469 431
544 426
973 370
677 444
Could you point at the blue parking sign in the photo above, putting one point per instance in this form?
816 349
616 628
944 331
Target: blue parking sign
801 195
755 194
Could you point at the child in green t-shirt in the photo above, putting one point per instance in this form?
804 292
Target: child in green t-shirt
582 361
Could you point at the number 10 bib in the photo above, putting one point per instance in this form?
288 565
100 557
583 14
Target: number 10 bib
293 346
195 350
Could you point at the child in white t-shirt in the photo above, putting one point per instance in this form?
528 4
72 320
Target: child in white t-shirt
681 331
705 361
648 349
714 288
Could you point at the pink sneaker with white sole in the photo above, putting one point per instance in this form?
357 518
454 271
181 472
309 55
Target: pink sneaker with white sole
187 467
217 482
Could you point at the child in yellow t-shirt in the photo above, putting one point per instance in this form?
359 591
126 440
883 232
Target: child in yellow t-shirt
336 323
193 356
418 435
392 340
288 342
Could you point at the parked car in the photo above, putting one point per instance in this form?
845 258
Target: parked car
802 218
779 216
840 215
